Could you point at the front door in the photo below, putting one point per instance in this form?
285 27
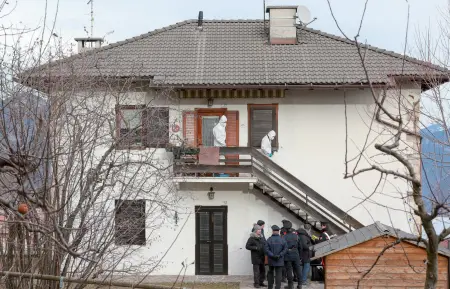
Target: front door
211 247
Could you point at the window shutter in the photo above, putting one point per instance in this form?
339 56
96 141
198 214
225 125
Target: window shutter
156 127
130 222
232 128
262 120
189 128
232 133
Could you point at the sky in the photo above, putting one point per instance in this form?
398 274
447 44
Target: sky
384 25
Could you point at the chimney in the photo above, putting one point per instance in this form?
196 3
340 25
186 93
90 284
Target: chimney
200 20
88 43
282 25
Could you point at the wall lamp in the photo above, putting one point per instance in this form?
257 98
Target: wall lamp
211 193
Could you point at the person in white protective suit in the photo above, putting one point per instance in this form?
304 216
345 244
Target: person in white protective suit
220 134
266 143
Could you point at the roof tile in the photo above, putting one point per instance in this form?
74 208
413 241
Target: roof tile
238 52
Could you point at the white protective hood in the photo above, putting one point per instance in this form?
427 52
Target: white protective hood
266 142
220 134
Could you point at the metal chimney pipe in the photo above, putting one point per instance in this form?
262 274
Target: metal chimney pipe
200 19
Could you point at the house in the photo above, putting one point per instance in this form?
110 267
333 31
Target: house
262 75
348 257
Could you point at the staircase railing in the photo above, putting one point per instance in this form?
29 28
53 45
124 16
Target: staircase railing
246 161
311 202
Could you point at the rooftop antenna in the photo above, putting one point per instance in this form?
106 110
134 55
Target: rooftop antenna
92 16
264 3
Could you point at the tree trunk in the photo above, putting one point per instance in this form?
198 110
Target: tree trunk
432 255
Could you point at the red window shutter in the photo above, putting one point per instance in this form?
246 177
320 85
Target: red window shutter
232 134
189 128
232 128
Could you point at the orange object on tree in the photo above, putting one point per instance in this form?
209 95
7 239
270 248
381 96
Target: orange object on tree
23 209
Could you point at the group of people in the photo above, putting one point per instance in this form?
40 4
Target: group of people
287 253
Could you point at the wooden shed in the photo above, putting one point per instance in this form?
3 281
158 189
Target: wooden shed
349 257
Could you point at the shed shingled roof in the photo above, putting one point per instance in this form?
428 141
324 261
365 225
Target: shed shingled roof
237 52
362 235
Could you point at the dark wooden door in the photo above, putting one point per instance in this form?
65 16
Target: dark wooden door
262 119
211 246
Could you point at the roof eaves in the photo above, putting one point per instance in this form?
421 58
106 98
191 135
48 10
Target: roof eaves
383 230
116 44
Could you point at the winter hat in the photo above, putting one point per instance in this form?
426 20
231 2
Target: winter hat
256 228
287 224
275 228
260 223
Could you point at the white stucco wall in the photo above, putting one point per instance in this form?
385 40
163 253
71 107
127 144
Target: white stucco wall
244 209
311 135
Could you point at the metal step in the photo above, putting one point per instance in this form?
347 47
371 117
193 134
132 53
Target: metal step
287 203
275 195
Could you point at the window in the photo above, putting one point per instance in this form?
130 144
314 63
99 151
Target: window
140 126
130 125
130 222
156 127
262 119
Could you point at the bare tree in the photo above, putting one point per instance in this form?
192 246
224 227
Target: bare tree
393 142
82 153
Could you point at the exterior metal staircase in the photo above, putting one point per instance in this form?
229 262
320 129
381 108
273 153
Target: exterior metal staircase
299 199
247 164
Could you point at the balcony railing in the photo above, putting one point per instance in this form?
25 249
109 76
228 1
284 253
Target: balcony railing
233 162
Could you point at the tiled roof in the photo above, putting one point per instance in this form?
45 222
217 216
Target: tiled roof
365 234
232 52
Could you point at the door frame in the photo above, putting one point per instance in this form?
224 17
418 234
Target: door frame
250 106
223 209
206 112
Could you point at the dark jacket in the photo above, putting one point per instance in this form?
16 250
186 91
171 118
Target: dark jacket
324 236
294 246
306 241
256 245
275 246
286 225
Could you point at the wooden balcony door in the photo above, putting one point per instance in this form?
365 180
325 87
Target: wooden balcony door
198 128
211 246
206 121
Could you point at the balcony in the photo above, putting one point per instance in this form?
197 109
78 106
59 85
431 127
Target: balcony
235 165
249 165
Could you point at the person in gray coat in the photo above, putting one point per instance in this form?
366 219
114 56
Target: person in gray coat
256 245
